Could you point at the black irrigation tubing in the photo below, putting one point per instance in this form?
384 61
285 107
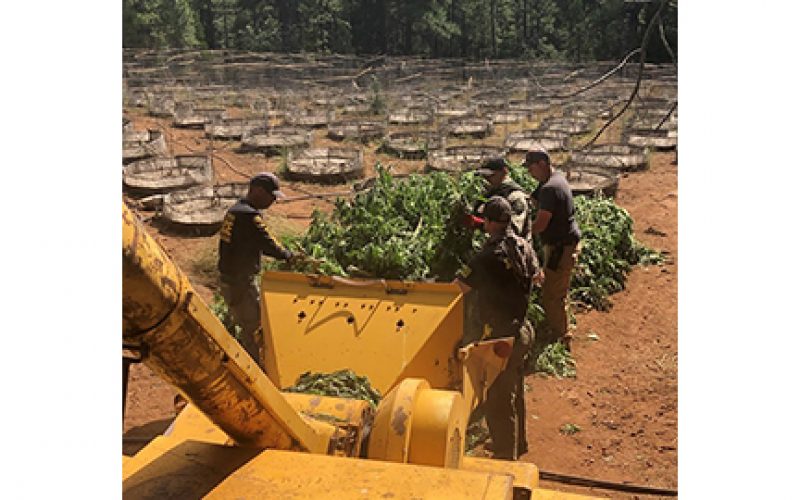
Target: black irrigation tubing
666 117
606 485
309 195
596 82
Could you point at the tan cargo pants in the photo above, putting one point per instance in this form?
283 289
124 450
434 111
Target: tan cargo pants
505 402
242 301
556 288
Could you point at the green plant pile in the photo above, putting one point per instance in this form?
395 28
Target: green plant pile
608 251
556 360
477 434
340 384
399 229
410 229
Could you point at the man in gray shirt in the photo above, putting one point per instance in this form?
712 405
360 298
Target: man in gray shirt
560 236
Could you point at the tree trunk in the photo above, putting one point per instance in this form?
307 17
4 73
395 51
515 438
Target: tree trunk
525 23
494 37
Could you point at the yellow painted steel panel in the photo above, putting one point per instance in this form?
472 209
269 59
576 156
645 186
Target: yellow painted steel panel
168 468
542 494
391 429
192 424
173 468
350 411
438 429
358 325
287 475
526 475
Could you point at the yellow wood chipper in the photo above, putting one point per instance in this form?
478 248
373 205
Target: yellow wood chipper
241 436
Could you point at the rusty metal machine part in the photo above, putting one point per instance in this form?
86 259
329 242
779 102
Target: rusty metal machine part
189 347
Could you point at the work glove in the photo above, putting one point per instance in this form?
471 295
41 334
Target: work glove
472 221
297 258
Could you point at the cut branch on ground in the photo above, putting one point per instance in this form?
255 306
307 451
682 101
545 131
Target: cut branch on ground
635 92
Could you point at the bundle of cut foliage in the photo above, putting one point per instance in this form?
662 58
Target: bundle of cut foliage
555 360
410 229
340 384
608 251
399 229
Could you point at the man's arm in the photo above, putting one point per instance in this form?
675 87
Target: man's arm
547 202
463 286
268 244
541 221
519 206
471 276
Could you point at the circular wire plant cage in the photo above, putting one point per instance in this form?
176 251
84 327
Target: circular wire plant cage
310 118
189 116
477 128
412 145
661 139
325 165
622 157
232 128
410 116
273 140
450 111
201 207
461 158
161 106
137 145
361 130
524 140
160 175
566 124
591 181
511 116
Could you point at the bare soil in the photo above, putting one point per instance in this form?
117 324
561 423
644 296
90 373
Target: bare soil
624 398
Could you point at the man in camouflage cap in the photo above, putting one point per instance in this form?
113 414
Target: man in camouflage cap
495 171
243 238
503 273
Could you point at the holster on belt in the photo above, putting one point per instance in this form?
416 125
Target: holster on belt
555 256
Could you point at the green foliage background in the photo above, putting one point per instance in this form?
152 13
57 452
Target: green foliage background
574 30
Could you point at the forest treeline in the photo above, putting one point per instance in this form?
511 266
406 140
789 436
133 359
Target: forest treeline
572 30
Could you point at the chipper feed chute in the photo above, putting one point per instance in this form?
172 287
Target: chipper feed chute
384 330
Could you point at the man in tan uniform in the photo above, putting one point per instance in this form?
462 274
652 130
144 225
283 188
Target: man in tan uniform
555 223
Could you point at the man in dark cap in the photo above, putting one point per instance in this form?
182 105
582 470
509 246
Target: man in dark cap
243 238
495 171
503 273
560 236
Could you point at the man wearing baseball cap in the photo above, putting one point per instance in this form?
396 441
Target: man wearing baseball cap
560 236
495 171
503 274
243 238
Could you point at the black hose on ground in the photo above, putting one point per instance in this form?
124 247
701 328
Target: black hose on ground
607 485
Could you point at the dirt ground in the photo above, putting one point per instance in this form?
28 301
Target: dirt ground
624 399
625 396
